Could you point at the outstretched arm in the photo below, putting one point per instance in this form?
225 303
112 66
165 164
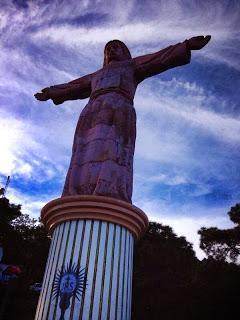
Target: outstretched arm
170 57
76 89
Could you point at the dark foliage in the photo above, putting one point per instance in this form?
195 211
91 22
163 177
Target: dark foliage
222 245
25 243
8 211
234 214
164 270
169 282
9 238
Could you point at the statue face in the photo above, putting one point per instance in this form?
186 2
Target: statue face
114 52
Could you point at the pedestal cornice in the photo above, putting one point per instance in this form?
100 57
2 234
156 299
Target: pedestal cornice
96 208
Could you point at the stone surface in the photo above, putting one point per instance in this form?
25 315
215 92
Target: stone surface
104 141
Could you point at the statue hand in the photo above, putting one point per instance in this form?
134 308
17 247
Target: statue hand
42 96
197 43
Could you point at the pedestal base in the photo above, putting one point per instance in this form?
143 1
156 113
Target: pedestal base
89 269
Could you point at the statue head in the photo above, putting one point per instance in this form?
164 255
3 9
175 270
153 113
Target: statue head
116 50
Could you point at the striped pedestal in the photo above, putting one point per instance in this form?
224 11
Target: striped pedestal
89 269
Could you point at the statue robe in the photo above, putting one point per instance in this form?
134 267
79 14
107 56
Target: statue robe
104 140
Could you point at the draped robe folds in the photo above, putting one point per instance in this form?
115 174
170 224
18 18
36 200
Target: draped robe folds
104 140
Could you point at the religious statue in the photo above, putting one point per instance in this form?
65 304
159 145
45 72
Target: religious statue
104 141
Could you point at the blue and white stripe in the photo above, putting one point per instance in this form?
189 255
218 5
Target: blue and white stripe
105 250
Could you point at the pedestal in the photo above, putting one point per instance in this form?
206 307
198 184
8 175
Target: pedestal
89 269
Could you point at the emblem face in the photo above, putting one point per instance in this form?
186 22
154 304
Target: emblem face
70 282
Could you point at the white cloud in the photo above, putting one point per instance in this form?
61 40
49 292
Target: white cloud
189 226
162 27
167 179
24 151
192 105
21 74
167 23
31 205
16 138
186 220
159 145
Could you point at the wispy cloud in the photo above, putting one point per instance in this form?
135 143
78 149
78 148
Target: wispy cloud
164 24
191 105
153 24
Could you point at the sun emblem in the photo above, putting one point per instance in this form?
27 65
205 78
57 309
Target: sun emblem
69 281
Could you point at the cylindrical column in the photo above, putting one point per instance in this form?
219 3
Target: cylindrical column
89 270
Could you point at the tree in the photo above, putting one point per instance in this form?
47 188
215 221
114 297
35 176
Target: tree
169 282
222 245
164 268
26 243
35 243
234 214
9 238
8 211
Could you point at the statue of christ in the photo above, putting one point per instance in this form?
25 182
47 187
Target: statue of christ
104 141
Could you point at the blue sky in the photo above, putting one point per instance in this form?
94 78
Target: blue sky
186 168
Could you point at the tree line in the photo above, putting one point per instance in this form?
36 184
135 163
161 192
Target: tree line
169 282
